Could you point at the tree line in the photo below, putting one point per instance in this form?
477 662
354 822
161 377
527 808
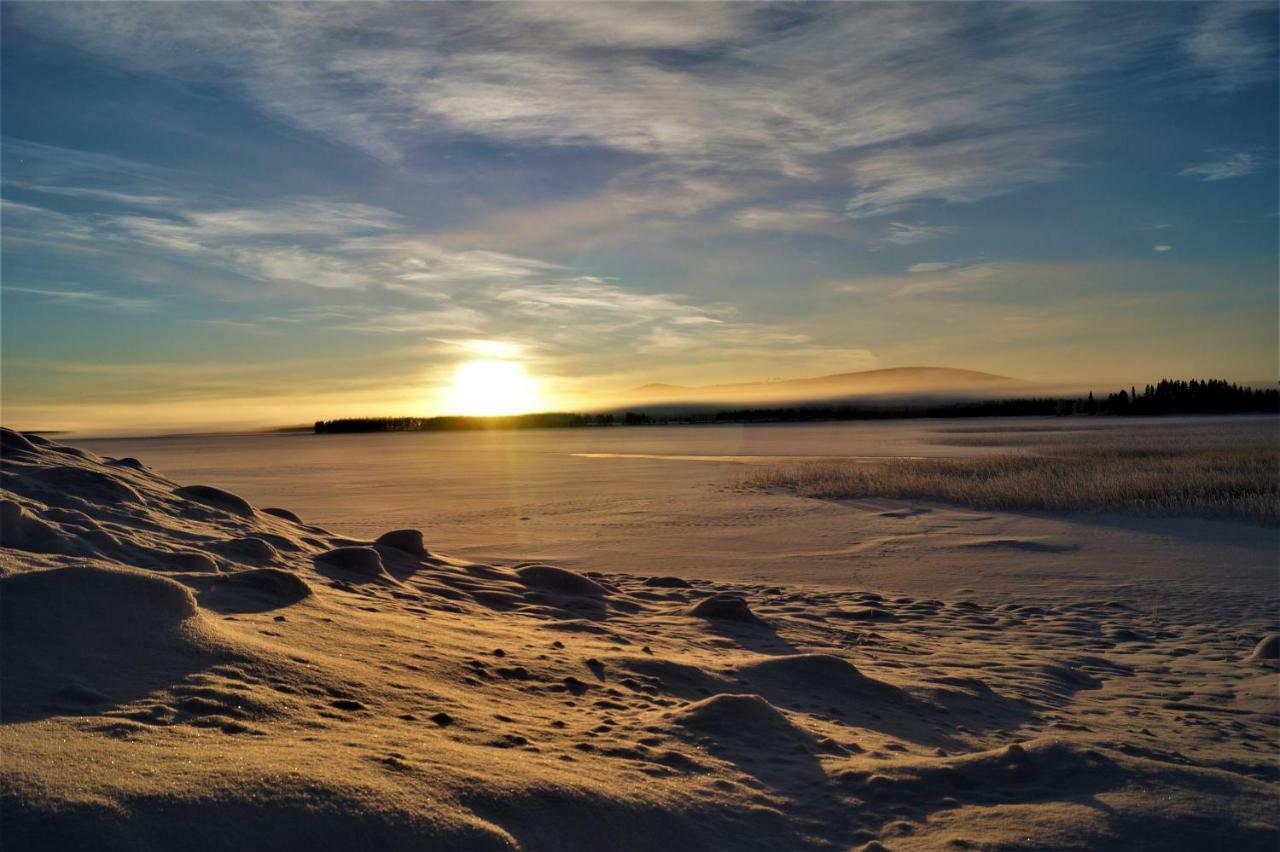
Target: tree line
552 420
1169 396
1173 396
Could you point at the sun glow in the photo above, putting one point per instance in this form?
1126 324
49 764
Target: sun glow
492 388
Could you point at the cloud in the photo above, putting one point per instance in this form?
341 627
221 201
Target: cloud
307 217
40 227
637 25
959 171
1162 248
920 268
38 162
95 177
800 217
1027 287
447 320
725 341
304 219
581 325
950 279
124 198
85 298
853 95
598 306
995 281
301 242
379 276
907 233
1236 165
643 204
1235 43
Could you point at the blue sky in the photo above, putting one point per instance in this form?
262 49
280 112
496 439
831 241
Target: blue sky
244 213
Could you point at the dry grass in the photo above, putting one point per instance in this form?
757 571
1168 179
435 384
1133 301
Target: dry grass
1234 478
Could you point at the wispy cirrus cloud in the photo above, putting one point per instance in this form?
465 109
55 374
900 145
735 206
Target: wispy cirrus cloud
858 95
908 233
639 205
809 217
946 279
380 277
977 281
39 162
446 320
592 300
51 170
930 266
1014 286
671 25
957 171
1236 165
129 199
1234 43
81 298
583 325
30 225
296 243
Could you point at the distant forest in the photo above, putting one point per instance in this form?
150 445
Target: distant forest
1211 396
451 424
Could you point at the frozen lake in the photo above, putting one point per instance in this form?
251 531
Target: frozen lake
664 500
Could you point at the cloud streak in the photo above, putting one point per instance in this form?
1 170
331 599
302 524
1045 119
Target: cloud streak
802 217
85 298
908 233
1234 166
900 103
299 243
1235 44
357 269
958 171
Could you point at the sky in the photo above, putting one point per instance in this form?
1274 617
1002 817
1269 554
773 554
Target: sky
234 214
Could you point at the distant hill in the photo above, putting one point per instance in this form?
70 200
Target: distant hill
889 385
887 394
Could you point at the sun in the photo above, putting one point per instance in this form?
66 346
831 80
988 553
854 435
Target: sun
489 388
